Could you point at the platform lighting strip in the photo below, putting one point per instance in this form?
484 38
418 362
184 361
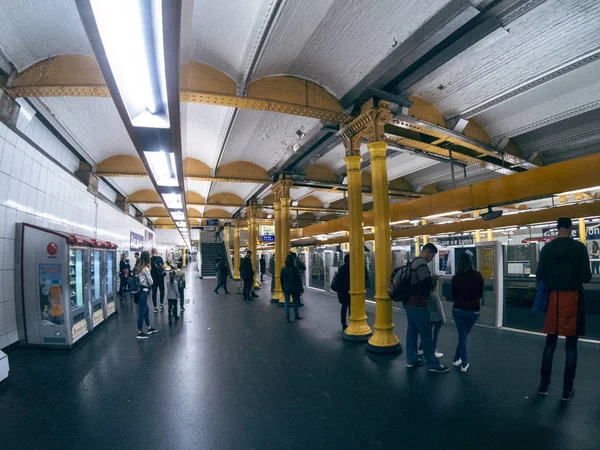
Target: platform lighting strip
451 213
162 165
578 191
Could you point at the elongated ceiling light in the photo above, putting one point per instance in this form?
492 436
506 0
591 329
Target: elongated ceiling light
177 215
162 165
451 213
132 36
173 201
578 191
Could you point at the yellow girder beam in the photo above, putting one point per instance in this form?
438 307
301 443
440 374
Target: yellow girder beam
541 182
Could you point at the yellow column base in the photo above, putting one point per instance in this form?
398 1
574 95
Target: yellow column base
277 292
384 341
358 330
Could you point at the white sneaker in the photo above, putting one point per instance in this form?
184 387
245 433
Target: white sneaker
420 352
438 354
457 363
464 368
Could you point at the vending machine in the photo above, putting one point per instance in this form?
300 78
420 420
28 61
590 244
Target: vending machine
96 287
53 279
110 278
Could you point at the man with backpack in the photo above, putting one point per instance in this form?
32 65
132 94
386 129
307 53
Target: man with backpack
416 283
157 270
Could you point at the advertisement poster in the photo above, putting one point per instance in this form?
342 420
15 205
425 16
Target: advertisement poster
444 263
487 262
51 293
469 251
149 240
136 242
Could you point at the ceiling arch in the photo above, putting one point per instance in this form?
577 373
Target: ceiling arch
196 76
157 211
243 169
122 166
320 173
311 200
226 198
193 198
193 213
424 110
144 196
194 168
217 213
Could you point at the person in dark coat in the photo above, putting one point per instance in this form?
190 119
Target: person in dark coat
343 292
247 274
263 267
291 284
123 274
272 271
564 266
222 274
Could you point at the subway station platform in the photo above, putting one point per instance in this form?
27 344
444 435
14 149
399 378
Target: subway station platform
234 375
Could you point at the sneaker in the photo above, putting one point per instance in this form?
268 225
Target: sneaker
182 308
298 318
417 363
151 330
142 335
464 368
420 352
568 396
456 362
438 355
543 390
227 292
162 308
439 369
155 310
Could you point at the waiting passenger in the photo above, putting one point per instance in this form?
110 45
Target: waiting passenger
291 284
181 274
436 319
247 274
467 291
158 273
564 266
343 289
417 313
172 288
263 267
222 274
146 282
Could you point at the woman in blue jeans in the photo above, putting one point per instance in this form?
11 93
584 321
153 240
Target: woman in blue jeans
467 291
143 308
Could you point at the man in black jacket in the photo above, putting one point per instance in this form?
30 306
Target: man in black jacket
247 274
157 270
263 267
564 266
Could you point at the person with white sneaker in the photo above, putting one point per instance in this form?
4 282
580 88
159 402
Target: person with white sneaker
436 319
467 291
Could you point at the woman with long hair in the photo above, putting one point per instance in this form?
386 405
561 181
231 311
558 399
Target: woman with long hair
143 272
467 291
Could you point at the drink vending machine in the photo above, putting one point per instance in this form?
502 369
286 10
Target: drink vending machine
61 280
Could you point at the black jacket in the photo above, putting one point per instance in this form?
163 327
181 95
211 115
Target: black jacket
122 267
263 265
343 283
564 264
291 281
246 270
157 268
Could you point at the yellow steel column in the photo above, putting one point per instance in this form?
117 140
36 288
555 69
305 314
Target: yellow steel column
285 234
252 240
383 340
478 236
277 293
236 248
227 238
582 232
490 237
425 238
358 329
183 264
417 245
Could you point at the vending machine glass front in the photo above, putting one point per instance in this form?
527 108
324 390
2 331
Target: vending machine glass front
76 278
110 264
96 274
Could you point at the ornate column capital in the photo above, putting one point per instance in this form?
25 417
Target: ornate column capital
374 114
281 189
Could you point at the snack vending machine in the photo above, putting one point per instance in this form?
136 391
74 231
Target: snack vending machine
110 279
53 283
96 303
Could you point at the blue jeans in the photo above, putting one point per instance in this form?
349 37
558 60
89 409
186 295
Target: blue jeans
464 320
143 310
286 305
419 325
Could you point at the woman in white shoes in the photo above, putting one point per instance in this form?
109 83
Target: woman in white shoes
467 291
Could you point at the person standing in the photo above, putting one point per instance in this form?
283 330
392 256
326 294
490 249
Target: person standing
467 291
158 273
181 276
218 235
263 267
146 283
595 254
564 266
291 284
343 289
247 274
172 288
222 274
436 319
417 313
122 275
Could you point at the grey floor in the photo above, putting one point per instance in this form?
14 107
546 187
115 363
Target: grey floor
234 375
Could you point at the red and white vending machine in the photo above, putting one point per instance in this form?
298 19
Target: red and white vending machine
58 291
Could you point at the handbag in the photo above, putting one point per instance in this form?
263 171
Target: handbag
334 283
540 303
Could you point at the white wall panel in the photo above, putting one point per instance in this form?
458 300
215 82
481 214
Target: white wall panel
205 130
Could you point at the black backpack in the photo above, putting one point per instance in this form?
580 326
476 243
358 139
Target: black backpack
133 284
400 283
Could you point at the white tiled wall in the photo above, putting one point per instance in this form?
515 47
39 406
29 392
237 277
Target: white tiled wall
35 190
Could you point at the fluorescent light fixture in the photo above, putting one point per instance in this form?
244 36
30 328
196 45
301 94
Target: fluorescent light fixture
595 188
296 147
178 215
399 221
173 201
181 224
132 37
162 165
451 213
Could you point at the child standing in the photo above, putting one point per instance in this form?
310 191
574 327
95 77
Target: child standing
436 318
172 290
180 274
